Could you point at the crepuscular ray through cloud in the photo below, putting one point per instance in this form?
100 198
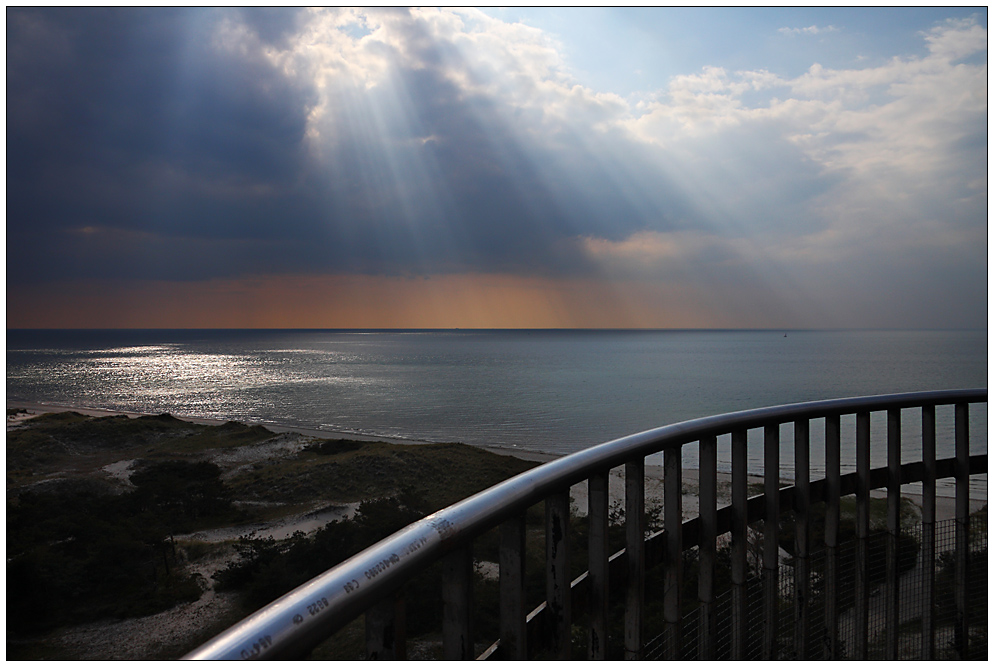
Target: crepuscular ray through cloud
199 145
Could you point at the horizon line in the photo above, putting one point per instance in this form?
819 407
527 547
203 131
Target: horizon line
426 329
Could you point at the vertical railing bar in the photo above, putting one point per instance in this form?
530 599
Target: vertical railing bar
928 533
802 508
833 492
635 556
386 635
891 591
558 621
597 551
739 539
513 613
457 604
962 435
771 539
862 607
708 509
673 523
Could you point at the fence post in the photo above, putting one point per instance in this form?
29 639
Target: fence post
962 434
739 539
457 604
635 556
513 633
385 629
771 539
673 559
862 608
708 509
557 573
833 492
928 533
802 507
892 592
597 510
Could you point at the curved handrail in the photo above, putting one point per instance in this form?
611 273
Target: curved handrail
298 621
691 528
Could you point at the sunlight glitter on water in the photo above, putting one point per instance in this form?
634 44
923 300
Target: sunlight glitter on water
553 391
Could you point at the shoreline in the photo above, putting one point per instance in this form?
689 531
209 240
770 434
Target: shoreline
945 505
40 408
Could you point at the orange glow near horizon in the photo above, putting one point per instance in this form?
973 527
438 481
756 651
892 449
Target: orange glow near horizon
467 301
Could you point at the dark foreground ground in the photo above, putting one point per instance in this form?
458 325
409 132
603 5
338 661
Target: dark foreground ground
140 537
126 535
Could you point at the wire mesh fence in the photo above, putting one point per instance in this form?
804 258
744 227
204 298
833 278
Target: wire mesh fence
911 594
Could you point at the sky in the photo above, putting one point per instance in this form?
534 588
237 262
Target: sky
499 168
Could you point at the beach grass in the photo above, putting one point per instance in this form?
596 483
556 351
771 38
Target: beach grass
72 460
69 443
429 477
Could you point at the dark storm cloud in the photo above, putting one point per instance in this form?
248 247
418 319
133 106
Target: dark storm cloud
185 144
183 160
132 121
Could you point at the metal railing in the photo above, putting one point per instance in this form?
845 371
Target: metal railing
371 582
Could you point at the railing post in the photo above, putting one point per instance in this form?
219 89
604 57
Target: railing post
557 574
891 591
739 539
771 539
673 560
457 604
635 556
386 636
708 509
928 533
802 508
862 607
832 493
513 632
962 434
597 510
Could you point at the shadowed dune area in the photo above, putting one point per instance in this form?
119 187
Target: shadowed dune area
153 533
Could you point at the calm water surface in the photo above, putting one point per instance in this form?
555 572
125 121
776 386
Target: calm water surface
554 391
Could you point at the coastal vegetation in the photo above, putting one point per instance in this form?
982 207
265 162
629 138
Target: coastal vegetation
64 444
103 513
76 551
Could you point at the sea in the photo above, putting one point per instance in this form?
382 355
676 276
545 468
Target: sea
554 391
